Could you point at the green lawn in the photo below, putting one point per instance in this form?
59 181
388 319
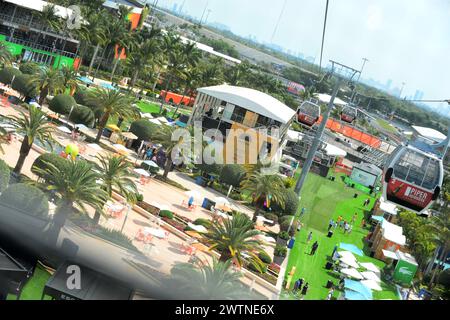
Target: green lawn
386 126
323 200
150 107
33 289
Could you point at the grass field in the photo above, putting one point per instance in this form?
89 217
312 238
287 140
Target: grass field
324 200
385 125
33 289
149 107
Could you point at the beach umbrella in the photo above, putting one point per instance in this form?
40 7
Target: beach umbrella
151 163
142 172
347 255
200 229
81 126
352 248
193 193
359 287
372 285
371 267
352 273
222 200
120 149
155 121
64 129
349 262
113 127
369 275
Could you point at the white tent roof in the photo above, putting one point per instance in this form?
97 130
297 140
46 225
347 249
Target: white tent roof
429 133
294 136
388 207
325 98
389 254
252 100
334 151
39 5
393 232
372 284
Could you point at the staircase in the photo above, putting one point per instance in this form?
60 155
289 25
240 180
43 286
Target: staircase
375 157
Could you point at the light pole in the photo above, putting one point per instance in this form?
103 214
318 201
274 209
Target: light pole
204 11
362 68
342 72
207 16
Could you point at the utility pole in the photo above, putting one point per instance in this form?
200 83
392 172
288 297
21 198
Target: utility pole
401 90
204 11
207 16
342 72
362 68
323 35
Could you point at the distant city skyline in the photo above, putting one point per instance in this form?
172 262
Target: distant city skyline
403 40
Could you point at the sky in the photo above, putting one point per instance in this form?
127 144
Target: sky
404 40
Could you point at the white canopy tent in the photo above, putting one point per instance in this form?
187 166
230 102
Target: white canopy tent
252 100
371 284
369 275
352 273
388 207
325 98
393 232
371 267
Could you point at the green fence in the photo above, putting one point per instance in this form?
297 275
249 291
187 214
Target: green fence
356 185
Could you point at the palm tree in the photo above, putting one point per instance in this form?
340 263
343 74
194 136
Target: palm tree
192 79
164 136
237 74
115 173
216 281
34 127
264 187
120 39
5 55
3 139
211 73
69 79
96 33
233 237
111 103
48 81
440 228
308 93
48 17
75 183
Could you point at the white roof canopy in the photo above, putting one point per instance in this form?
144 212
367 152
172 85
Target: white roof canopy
429 133
325 98
388 207
393 232
252 100
39 5
334 151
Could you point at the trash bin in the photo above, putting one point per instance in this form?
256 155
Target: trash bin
207 204
330 284
200 181
291 243
329 265
330 234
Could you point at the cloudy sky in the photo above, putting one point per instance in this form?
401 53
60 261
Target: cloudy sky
405 40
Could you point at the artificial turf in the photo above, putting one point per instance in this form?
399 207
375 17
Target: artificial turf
35 285
325 200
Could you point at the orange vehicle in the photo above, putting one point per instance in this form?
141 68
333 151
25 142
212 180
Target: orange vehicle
175 98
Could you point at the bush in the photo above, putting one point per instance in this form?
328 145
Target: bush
280 251
25 86
289 183
40 161
5 175
271 216
210 168
80 97
284 226
143 129
285 218
166 214
8 73
232 174
284 235
265 257
257 268
26 198
202 222
62 103
82 115
291 203
139 197
29 67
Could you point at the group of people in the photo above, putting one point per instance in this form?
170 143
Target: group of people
148 153
298 286
315 245
344 225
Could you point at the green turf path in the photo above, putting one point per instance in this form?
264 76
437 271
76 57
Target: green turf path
34 287
323 200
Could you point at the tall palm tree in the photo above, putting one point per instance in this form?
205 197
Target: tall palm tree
211 72
3 139
75 183
264 187
48 17
440 228
96 33
234 237
165 136
192 79
5 55
111 103
34 127
69 79
48 81
211 281
120 38
237 74
115 173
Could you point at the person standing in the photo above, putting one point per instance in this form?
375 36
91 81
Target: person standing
302 212
363 223
314 248
330 294
299 227
350 228
309 237
346 227
354 217
305 289
331 224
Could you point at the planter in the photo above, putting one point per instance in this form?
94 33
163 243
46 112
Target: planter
278 260
282 242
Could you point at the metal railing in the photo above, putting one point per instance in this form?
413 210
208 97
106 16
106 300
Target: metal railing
37 46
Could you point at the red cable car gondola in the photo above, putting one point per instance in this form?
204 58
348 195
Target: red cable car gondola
308 113
413 178
349 114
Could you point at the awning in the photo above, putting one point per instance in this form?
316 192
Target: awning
357 286
352 248
94 286
390 254
378 218
393 232
388 207
334 151
129 135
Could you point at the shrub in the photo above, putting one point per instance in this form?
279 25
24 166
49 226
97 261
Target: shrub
29 67
6 74
285 218
284 235
257 268
271 216
202 222
26 198
280 251
210 168
291 203
5 174
284 226
232 174
83 115
265 257
25 86
80 97
41 161
166 214
139 197
289 183
62 103
143 129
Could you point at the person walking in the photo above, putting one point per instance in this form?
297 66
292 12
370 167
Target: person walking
331 224
314 248
354 217
309 237
350 228
330 294
305 289
346 227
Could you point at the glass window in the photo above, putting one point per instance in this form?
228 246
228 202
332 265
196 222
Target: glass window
432 175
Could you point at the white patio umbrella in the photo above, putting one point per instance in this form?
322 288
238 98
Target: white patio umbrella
352 273
222 200
151 163
64 129
147 115
154 121
371 267
346 255
369 275
81 126
121 149
193 193
200 229
371 284
349 262
162 120
142 172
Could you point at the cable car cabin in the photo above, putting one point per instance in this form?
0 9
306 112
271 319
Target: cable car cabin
308 113
413 178
349 114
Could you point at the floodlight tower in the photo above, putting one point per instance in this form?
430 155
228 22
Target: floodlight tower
342 73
